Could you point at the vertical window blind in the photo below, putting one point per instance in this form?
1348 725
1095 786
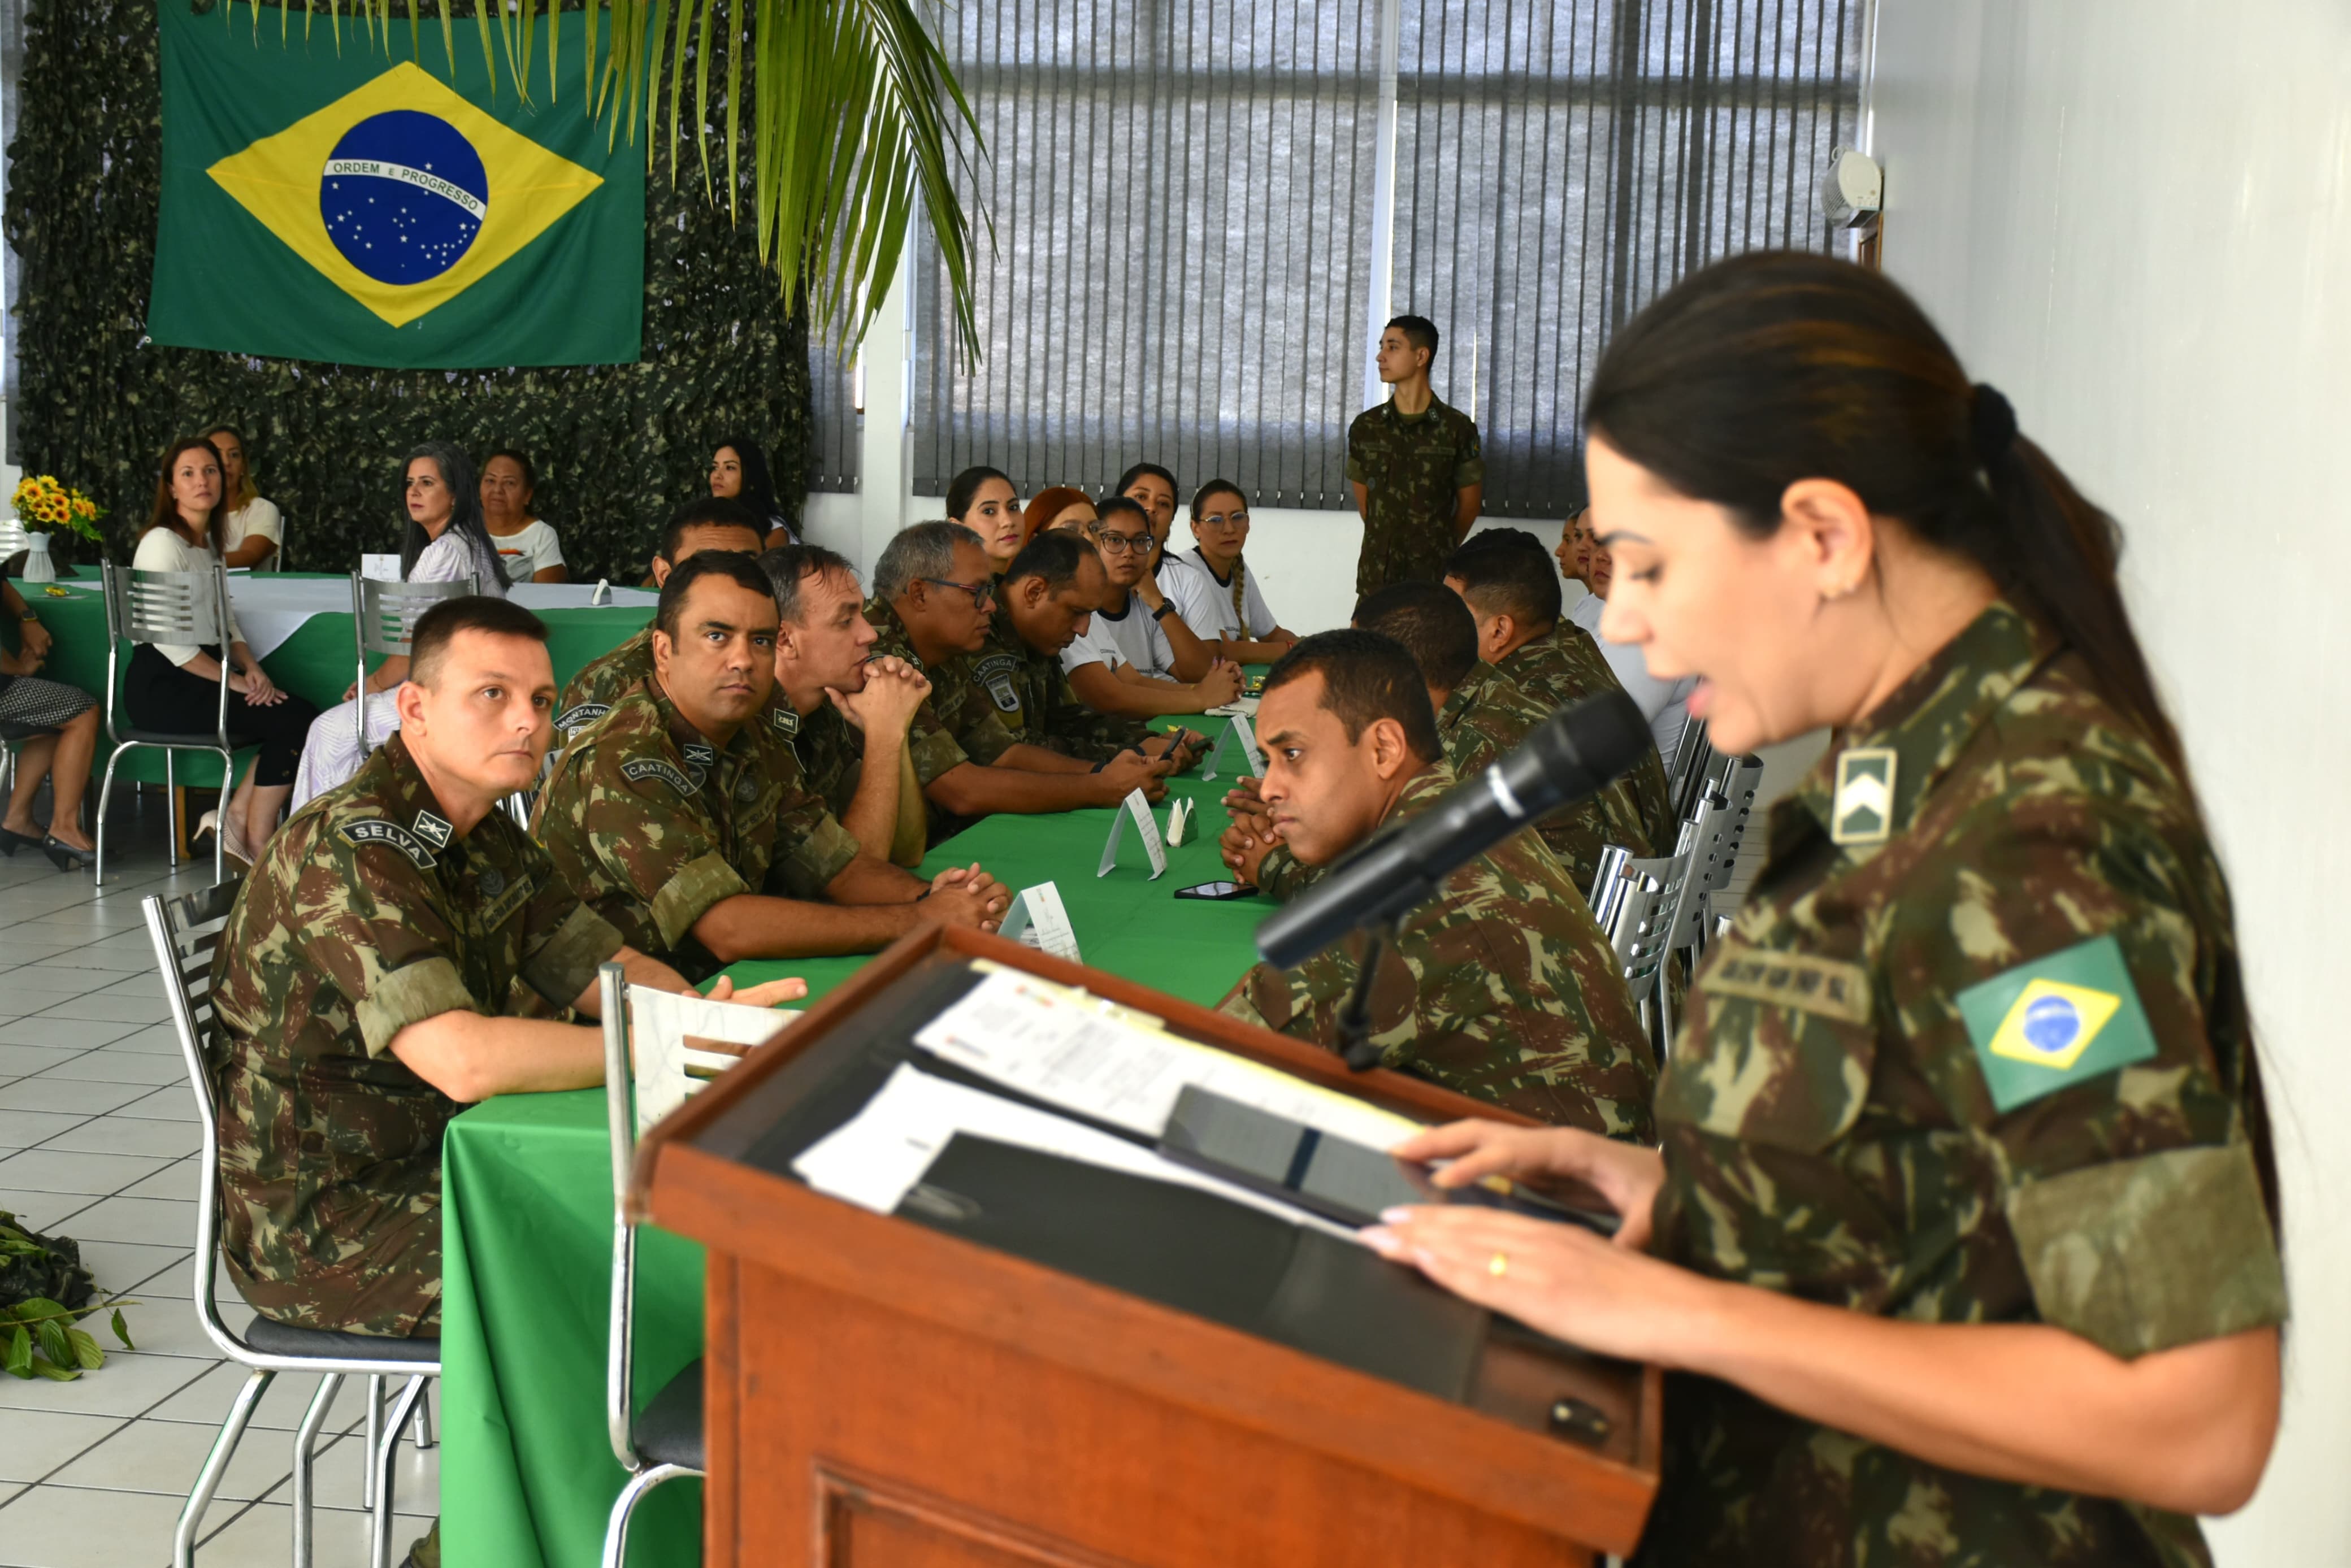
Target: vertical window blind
1185 204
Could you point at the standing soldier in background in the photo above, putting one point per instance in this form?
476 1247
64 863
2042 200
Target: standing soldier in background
1415 464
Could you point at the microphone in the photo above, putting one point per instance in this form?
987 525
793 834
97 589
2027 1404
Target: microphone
1568 757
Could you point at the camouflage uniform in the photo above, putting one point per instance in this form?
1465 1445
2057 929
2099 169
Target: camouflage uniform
653 825
1486 715
1502 988
602 682
831 755
1881 1103
1027 694
365 916
1413 471
935 739
1563 667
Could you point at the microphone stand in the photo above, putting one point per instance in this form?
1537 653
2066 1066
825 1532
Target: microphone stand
1355 1013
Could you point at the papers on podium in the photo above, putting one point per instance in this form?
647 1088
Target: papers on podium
1136 807
668 1069
1037 919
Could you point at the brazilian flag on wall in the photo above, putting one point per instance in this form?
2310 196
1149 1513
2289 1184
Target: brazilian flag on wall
354 206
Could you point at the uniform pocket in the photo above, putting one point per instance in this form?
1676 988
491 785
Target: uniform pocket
1777 1050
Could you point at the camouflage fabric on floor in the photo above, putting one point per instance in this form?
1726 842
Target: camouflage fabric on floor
1969 1055
1028 693
1563 667
1502 987
366 914
1413 471
652 826
602 682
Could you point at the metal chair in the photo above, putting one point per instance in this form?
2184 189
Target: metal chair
665 1442
1634 901
1712 836
1686 768
186 931
165 606
383 615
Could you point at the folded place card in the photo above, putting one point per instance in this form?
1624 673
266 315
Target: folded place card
1236 730
1136 807
1179 823
1037 919
379 567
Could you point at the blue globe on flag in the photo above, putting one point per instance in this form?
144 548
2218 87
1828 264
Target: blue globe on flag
2051 1024
404 196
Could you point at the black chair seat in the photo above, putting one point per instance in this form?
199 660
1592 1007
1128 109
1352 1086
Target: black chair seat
669 1430
167 737
271 1337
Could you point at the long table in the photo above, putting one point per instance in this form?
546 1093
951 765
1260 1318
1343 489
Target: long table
317 660
527 1474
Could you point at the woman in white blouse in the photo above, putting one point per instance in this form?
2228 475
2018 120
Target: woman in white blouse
169 684
251 534
446 542
526 542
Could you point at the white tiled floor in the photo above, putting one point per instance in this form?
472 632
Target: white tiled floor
97 1132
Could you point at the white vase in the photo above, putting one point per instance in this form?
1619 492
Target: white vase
37 565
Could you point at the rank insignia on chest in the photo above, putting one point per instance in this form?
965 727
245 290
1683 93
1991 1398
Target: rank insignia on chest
2060 1019
747 790
433 829
1863 809
785 719
638 768
492 881
376 831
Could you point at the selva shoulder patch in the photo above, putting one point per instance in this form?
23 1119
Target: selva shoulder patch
2060 1019
376 831
638 768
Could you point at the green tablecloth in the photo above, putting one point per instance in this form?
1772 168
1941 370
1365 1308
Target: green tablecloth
318 662
527 1475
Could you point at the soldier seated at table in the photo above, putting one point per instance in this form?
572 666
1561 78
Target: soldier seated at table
1501 986
400 950
682 817
714 522
1480 714
1015 682
846 711
1508 582
933 589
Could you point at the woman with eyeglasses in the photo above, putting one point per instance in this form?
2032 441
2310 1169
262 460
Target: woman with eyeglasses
445 541
1959 1245
1213 591
1124 661
982 500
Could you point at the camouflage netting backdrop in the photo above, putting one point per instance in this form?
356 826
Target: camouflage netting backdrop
617 446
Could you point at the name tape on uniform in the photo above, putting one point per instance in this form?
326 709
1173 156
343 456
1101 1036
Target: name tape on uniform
1136 807
1237 727
1037 919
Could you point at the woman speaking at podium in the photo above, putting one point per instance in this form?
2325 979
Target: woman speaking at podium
1960 1242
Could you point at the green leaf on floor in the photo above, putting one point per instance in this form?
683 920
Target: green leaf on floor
121 1333
86 1350
20 1352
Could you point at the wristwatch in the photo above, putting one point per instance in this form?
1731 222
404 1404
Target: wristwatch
1166 608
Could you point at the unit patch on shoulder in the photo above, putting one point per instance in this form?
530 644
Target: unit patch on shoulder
376 831
638 768
996 672
1829 986
786 720
2060 1019
1863 808
579 714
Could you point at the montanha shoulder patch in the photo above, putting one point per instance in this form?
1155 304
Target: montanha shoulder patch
580 714
376 831
638 768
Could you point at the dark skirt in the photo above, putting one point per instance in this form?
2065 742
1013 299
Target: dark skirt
32 706
160 696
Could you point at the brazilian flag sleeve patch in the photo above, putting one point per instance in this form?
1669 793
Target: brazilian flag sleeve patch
2058 1021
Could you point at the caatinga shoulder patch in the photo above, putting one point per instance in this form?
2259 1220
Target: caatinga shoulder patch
638 768
376 831
2060 1019
996 672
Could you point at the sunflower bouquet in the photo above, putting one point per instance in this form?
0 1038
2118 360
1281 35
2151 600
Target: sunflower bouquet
45 506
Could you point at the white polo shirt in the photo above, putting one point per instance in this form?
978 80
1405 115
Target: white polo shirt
1664 704
1135 638
1206 601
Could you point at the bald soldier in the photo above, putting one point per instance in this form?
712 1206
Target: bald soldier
403 950
713 522
1501 986
1480 714
681 816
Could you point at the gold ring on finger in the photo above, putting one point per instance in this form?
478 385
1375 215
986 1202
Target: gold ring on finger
1499 1265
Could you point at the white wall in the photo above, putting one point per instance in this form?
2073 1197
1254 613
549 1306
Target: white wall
2134 217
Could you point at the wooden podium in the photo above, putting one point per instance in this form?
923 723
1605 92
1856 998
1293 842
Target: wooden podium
878 1392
